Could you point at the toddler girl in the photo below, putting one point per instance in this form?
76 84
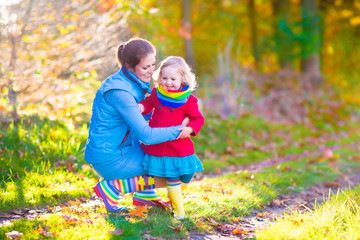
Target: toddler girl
171 101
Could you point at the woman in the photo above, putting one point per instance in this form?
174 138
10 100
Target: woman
117 127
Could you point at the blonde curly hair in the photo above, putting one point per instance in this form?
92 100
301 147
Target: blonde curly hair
187 76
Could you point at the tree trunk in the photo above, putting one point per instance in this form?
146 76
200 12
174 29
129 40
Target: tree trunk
310 64
11 93
253 29
188 39
282 32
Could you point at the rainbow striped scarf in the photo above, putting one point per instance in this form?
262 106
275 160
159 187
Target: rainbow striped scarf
173 98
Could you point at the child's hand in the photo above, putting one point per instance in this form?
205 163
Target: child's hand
186 121
141 107
185 132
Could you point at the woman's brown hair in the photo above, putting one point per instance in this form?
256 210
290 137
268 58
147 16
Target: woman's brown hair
130 53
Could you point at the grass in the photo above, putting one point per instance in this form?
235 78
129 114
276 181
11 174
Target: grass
222 199
42 163
337 218
233 141
44 166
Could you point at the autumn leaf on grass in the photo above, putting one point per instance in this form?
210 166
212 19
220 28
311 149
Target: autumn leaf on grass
74 203
296 222
138 212
212 221
177 228
65 209
328 153
277 202
14 235
207 187
331 184
117 232
69 219
240 230
252 177
292 182
262 215
205 198
44 231
50 209
200 223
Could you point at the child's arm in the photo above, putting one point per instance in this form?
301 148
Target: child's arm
141 107
147 105
197 120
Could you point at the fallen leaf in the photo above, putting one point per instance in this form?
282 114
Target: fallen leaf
277 202
240 230
212 222
229 150
266 183
176 229
138 212
226 228
331 184
262 215
74 203
205 198
292 182
328 153
252 177
22 153
14 235
117 232
287 168
297 223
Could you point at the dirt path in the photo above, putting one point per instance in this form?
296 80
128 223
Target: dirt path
302 201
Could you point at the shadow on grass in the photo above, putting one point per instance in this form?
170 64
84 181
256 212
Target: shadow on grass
37 155
157 223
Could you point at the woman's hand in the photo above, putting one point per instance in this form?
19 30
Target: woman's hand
186 121
141 107
185 132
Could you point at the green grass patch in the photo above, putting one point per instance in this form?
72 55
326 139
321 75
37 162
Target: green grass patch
42 163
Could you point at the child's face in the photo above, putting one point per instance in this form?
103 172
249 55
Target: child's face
170 78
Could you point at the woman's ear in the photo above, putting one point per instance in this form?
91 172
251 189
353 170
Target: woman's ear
128 67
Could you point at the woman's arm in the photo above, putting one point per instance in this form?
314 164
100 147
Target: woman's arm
125 104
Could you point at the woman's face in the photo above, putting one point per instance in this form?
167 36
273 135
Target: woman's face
145 68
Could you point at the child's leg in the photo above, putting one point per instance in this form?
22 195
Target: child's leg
185 180
174 191
109 190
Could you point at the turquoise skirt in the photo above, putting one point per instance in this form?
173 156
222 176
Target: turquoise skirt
171 166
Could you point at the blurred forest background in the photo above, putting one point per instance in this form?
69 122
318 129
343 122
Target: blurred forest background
277 59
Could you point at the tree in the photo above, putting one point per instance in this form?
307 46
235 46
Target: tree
253 29
186 33
311 44
283 33
57 45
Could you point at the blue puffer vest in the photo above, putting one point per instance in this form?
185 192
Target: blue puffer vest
107 127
